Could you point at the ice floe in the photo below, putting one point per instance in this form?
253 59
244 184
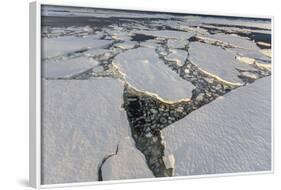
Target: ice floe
231 134
63 68
82 122
70 44
216 61
145 71
128 163
236 41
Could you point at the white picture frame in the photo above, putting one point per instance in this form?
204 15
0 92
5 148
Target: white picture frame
35 97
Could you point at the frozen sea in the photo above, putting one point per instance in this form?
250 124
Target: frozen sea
132 95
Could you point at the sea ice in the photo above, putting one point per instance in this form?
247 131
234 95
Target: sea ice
236 41
174 43
66 67
145 71
257 55
52 47
216 61
177 55
230 134
128 163
82 122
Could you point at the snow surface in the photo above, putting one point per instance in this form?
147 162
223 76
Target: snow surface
129 163
235 40
52 47
145 71
66 67
216 61
82 122
231 134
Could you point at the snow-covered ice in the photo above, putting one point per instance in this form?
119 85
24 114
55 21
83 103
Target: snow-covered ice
257 55
128 163
66 67
150 43
82 122
126 45
69 44
236 41
175 43
145 71
177 55
216 61
231 134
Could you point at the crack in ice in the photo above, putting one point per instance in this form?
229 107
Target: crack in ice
100 178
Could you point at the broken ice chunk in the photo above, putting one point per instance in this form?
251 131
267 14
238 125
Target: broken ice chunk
66 68
69 44
126 45
252 61
227 141
85 120
249 75
174 43
169 161
150 43
263 44
266 52
145 71
215 61
96 52
247 60
122 166
236 41
177 55
118 34
257 55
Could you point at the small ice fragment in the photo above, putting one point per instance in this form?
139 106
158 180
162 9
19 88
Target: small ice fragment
169 161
